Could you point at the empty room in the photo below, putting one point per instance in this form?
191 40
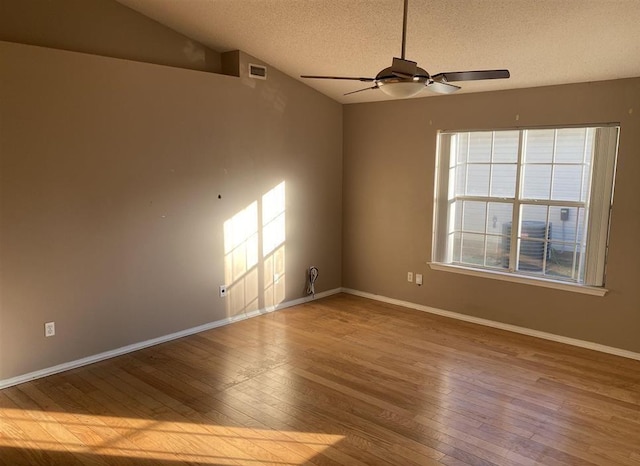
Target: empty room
319 232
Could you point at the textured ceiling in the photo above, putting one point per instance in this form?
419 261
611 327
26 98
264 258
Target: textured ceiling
542 42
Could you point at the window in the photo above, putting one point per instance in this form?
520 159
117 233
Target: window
527 203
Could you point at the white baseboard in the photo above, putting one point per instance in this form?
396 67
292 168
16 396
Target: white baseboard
155 341
499 325
219 323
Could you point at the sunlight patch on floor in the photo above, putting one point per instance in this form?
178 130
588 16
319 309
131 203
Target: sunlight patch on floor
153 439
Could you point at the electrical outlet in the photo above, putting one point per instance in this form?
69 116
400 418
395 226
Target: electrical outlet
49 329
223 291
409 276
418 279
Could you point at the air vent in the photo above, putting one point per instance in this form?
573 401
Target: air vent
257 71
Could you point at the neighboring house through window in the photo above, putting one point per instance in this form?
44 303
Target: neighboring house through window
529 203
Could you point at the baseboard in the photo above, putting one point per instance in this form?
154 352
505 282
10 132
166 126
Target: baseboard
499 325
155 341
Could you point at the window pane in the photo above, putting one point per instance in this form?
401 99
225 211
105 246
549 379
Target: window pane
531 255
478 180
505 244
537 182
560 262
505 146
586 183
503 180
533 213
570 145
474 216
452 183
533 230
480 147
461 180
580 262
563 221
588 164
457 247
499 214
497 252
588 153
462 147
582 227
539 146
533 235
452 155
456 213
566 182
473 248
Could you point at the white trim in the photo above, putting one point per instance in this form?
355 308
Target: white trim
510 277
440 228
155 341
604 162
499 325
521 128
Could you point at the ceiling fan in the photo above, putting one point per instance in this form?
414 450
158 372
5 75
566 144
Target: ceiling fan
405 79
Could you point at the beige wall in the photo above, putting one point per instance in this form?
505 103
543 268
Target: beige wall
101 27
389 151
110 221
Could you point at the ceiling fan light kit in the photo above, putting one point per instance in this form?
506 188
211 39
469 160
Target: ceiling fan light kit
400 89
405 79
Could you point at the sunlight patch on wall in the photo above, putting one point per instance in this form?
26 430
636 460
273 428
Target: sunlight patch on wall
158 440
274 234
254 248
273 221
241 260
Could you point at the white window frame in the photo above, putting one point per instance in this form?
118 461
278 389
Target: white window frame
600 202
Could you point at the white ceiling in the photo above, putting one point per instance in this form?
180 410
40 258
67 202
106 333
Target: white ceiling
542 42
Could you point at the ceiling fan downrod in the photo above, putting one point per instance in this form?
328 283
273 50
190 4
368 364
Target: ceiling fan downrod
404 28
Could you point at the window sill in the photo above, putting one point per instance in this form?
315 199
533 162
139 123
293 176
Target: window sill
590 290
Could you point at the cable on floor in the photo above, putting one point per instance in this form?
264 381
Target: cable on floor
313 276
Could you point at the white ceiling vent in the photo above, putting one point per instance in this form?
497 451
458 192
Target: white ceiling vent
257 71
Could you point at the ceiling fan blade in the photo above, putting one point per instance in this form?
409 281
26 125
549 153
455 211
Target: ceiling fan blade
360 90
442 87
339 77
452 76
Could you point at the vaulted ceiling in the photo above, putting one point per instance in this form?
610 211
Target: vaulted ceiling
542 42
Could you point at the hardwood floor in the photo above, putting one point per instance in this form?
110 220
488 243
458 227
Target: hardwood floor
339 381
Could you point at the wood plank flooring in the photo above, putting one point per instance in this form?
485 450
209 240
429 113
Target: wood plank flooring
339 381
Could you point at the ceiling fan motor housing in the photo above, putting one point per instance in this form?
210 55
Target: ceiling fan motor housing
404 68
